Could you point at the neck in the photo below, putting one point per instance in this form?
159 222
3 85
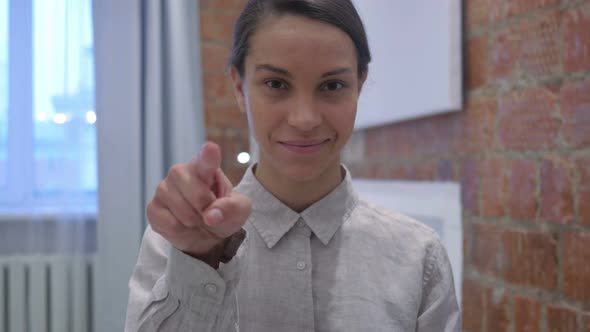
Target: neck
299 195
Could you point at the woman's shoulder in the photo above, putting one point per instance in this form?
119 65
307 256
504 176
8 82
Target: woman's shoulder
387 222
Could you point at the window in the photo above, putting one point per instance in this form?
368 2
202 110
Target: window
47 133
3 89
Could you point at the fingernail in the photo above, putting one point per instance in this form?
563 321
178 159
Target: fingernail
215 216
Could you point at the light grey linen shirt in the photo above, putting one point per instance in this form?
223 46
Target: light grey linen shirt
343 264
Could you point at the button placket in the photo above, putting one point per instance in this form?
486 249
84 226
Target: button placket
302 268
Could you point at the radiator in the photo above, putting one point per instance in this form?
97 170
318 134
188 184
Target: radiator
46 293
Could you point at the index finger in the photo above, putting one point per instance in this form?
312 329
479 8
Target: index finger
206 164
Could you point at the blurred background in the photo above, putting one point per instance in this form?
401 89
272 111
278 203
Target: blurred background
99 98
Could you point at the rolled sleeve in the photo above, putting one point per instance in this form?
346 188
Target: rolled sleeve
195 283
189 295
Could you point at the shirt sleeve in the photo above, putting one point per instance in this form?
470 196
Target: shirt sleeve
172 291
439 310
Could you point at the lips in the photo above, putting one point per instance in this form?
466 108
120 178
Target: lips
303 143
304 146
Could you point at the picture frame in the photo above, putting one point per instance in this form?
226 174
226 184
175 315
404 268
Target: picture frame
416 67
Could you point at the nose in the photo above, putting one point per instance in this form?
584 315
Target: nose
304 115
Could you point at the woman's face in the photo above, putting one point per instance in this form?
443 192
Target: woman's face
300 90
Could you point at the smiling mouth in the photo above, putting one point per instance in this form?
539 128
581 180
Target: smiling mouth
305 143
304 146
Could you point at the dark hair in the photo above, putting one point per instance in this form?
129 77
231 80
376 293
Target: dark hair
340 13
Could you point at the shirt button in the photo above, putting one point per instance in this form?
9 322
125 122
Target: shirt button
211 289
301 265
301 223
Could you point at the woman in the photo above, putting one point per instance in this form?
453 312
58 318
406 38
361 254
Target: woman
292 247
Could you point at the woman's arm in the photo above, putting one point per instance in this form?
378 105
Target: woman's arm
439 311
171 291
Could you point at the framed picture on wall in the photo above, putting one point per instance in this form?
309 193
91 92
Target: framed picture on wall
416 67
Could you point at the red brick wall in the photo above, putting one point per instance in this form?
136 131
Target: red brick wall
520 149
224 123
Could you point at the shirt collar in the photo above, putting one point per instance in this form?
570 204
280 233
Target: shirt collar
272 219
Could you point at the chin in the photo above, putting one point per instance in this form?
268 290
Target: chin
304 172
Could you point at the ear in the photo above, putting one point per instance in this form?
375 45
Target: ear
362 79
237 84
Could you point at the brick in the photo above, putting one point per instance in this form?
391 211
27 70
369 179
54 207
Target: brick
445 170
470 180
376 141
577 40
421 138
361 171
217 89
527 121
504 56
235 144
440 133
476 12
522 200
217 25
473 306
424 171
477 62
498 310
583 194
585 321
214 57
530 258
379 171
215 136
556 198
476 132
527 314
235 174
575 110
225 117
227 5
540 45
468 244
576 270
480 12
231 145
485 251
531 47
493 190
399 172
561 319
517 7
570 3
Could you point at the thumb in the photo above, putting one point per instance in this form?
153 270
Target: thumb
227 215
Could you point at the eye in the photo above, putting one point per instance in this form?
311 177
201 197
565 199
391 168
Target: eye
276 84
332 86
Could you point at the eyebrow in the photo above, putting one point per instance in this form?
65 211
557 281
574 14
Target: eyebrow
343 70
273 69
286 73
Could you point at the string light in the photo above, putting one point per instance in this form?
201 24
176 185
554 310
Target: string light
60 118
243 157
90 117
